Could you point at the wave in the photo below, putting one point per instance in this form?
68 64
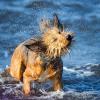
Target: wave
85 70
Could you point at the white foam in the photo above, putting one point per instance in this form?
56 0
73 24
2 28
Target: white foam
7 66
7 91
19 85
56 94
69 70
42 91
88 73
1 80
79 72
70 93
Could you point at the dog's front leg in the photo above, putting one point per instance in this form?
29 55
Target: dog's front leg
26 84
57 83
28 77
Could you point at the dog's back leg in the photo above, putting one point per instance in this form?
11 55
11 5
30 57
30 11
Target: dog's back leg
17 64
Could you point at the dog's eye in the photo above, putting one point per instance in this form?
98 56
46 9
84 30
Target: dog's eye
59 32
55 39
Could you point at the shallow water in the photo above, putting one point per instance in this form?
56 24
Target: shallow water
19 20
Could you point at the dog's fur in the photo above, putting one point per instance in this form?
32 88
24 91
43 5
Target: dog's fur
40 59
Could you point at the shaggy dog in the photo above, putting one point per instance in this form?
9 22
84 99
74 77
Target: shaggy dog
39 59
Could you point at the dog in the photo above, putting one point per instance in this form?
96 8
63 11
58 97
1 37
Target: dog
39 59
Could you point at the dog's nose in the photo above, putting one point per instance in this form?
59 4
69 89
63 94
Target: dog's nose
69 37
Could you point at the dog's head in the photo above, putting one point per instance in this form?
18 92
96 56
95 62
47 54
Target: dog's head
55 38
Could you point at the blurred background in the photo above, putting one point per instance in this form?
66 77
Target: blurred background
19 20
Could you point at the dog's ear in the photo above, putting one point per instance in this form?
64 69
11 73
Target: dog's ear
57 23
35 45
44 25
31 44
30 47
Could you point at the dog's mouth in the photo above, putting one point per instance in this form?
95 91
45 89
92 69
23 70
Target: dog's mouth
58 51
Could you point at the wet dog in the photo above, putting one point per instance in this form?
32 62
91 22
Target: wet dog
39 59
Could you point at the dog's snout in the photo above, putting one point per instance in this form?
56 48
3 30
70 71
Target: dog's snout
69 37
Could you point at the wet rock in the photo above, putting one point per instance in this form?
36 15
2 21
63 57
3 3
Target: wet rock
11 89
5 78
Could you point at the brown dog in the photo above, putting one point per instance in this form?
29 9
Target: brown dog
40 59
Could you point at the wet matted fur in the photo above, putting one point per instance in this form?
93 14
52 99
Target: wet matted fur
39 59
